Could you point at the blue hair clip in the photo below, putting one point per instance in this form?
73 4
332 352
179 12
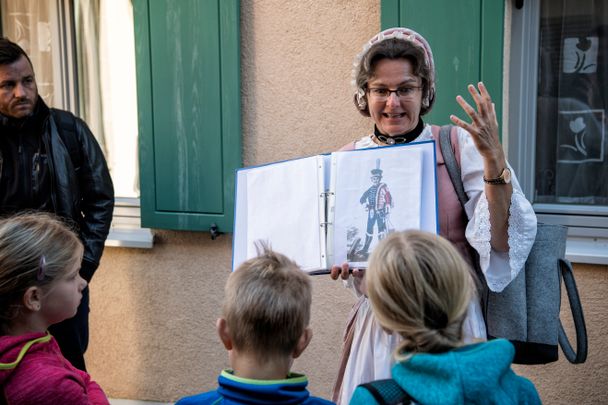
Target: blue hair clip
41 268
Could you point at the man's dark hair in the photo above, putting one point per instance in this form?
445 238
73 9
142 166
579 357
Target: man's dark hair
10 52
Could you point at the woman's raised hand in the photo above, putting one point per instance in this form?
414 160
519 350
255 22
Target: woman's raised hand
484 125
484 131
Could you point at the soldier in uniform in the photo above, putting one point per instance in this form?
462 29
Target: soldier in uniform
378 202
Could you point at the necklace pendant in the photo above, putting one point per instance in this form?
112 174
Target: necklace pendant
390 141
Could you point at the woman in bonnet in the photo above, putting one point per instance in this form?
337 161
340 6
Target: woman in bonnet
394 77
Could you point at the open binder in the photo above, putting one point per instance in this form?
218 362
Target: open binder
327 209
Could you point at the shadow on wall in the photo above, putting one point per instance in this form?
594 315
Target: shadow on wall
153 316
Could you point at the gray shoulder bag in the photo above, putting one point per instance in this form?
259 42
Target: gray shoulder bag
527 311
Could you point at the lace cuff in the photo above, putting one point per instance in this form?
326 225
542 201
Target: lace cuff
478 232
522 231
501 268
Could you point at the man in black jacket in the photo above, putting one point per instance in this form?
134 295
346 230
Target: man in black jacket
50 161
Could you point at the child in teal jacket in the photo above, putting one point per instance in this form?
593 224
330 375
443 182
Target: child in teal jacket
420 287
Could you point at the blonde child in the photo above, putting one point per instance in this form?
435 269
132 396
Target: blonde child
264 327
40 285
420 287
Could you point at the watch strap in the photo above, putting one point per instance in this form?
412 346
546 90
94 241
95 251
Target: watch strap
498 180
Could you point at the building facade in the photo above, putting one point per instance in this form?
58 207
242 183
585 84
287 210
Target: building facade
261 81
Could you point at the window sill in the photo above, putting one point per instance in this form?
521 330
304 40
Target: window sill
587 250
142 238
126 230
587 235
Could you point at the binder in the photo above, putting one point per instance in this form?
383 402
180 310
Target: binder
317 210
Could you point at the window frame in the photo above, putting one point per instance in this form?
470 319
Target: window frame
587 224
126 230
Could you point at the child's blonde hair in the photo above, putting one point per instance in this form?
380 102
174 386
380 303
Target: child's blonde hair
420 286
267 305
35 248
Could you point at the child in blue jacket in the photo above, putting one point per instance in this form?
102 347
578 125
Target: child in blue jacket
264 327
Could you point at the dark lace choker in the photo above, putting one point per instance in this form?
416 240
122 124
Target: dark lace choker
403 138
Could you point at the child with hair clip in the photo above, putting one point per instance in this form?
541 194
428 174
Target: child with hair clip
40 285
420 287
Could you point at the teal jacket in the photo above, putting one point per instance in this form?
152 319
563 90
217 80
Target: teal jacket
474 374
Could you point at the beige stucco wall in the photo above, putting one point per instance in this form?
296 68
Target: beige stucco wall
154 311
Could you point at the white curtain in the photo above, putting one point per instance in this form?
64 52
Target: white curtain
29 23
572 125
106 54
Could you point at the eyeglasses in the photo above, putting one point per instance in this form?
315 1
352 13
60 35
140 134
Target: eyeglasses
382 93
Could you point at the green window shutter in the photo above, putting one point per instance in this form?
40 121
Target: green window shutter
188 84
467 42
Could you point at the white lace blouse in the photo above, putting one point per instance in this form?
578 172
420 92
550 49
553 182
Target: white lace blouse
372 348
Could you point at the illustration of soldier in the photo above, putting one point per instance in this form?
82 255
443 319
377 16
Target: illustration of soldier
378 203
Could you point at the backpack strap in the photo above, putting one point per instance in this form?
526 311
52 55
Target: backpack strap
66 126
451 164
387 392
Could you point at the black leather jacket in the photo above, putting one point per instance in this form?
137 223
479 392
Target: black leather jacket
84 194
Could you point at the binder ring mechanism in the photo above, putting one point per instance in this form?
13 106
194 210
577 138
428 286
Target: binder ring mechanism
324 195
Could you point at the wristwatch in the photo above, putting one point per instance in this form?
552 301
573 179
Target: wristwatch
504 178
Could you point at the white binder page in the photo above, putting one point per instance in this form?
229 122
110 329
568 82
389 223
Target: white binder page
239 236
282 209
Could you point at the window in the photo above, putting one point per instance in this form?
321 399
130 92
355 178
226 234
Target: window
558 93
186 90
84 59
42 30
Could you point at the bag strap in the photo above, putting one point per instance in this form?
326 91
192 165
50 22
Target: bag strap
565 267
451 164
577 315
387 392
66 127
453 168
